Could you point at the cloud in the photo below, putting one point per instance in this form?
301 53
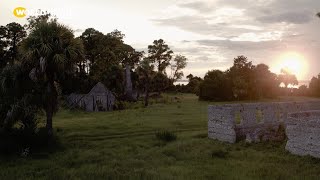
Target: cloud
288 17
260 29
205 25
244 46
200 6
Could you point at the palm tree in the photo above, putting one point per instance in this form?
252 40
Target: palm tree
50 52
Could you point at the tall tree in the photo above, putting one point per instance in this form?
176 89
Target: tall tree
92 42
117 35
160 54
179 63
215 86
146 73
33 21
266 82
50 51
129 58
241 74
190 76
314 86
287 78
3 46
15 34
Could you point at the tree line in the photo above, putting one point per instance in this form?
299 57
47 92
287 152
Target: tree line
43 60
245 81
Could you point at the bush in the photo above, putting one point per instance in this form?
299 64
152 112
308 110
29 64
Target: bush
17 141
215 86
166 136
219 154
121 105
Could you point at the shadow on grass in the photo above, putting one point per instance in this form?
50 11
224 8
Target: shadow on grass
36 145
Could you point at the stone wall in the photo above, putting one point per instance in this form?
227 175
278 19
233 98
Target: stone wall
252 121
303 132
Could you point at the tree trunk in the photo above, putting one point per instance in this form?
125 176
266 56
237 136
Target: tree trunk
49 113
13 51
146 98
51 104
287 90
159 64
128 87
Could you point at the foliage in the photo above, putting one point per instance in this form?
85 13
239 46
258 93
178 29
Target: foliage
113 78
19 102
242 78
145 75
49 54
166 136
104 60
192 87
243 81
215 86
126 140
15 34
10 37
160 54
92 42
160 82
266 82
179 63
287 78
219 154
314 86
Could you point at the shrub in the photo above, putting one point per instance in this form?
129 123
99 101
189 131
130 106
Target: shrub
166 136
18 141
215 86
121 105
219 154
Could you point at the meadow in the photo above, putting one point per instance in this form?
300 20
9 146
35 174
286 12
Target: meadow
123 145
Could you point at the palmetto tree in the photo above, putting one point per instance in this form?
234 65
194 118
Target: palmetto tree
50 52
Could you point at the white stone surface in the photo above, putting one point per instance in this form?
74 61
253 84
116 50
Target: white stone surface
222 119
303 132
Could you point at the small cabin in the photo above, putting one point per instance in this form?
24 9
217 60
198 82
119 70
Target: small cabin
98 99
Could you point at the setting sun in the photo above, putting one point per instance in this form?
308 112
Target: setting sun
292 62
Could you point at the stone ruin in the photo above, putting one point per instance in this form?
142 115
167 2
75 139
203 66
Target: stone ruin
303 132
98 99
255 122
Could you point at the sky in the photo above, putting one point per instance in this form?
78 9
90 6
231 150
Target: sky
210 33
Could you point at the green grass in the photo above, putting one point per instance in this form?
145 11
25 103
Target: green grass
122 145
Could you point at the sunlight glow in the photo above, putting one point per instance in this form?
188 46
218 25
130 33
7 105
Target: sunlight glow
293 62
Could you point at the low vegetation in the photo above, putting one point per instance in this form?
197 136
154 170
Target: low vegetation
122 144
166 136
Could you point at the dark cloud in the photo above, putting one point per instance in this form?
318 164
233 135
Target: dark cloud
244 45
200 25
288 17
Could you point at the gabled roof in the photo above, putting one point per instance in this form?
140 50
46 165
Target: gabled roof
99 88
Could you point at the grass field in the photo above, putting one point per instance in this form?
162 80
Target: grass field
123 145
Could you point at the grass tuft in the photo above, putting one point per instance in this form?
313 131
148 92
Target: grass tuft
166 136
219 154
